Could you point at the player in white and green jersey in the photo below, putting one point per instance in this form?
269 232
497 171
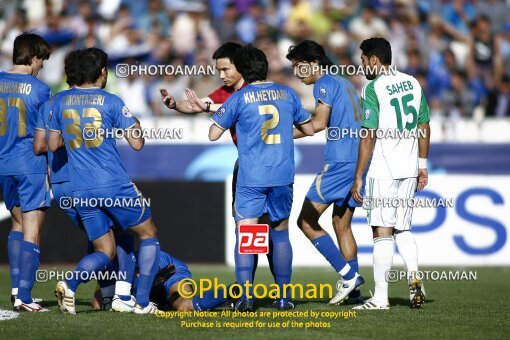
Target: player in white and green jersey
396 116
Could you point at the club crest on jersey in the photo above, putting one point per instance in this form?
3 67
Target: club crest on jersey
220 112
322 92
367 114
126 113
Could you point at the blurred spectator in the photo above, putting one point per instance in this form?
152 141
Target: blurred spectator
156 17
499 100
459 99
226 25
485 57
459 14
248 24
495 10
368 25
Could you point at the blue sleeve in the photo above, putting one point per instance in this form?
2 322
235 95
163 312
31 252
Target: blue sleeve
44 94
55 119
323 93
301 116
122 118
40 125
227 114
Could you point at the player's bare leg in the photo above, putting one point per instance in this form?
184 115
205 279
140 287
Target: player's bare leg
148 257
31 224
308 222
383 259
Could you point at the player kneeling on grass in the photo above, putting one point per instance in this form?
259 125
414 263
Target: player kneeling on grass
337 107
264 114
392 101
98 173
169 282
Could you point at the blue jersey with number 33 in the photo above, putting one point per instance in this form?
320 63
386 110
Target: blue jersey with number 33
264 115
94 159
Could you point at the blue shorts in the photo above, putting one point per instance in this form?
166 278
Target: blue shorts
30 192
182 272
333 185
97 218
253 202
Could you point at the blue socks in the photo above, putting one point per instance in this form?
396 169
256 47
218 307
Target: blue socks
208 301
354 265
28 264
91 263
14 249
330 251
245 264
282 259
126 260
148 258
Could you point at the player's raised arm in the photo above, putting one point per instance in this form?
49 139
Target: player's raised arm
185 106
134 136
224 118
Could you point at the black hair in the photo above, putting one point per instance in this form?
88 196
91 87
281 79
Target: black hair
27 46
227 50
91 62
251 63
308 51
378 47
70 67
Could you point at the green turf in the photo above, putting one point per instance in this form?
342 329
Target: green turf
473 309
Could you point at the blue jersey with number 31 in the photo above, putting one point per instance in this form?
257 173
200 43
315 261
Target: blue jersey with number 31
264 115
94 159
21 95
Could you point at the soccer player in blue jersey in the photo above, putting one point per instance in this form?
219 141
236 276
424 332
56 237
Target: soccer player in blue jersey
337 108
61 185
97 173
165 291
264 114
25 183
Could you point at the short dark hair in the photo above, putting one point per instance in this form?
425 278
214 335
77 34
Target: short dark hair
27 46
91 62
227 50
378 47
70 67
308 51
251 63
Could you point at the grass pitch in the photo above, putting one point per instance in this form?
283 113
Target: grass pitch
454 309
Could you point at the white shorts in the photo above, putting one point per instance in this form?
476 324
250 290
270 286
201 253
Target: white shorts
388 202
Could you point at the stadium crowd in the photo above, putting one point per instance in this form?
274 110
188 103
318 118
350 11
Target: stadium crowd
458 50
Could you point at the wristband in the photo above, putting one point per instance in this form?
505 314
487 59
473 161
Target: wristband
208 106
422 163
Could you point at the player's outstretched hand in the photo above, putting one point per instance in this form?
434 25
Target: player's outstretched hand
196 104
356 190
167 99
423 179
